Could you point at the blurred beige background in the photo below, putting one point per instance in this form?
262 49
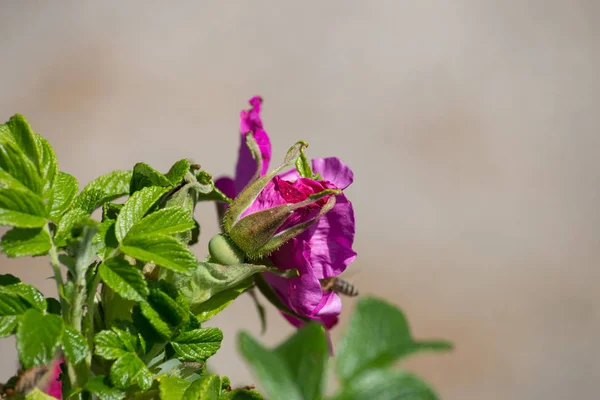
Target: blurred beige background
472 128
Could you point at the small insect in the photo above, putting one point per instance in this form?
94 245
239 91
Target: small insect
339 286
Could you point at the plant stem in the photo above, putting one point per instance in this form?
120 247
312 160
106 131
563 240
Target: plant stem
89 317
154 351
54 261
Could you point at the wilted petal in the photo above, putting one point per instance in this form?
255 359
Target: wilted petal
334 171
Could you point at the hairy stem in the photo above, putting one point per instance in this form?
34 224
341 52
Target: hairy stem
89 316
53 253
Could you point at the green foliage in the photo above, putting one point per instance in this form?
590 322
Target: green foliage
15 299
385 328
163 250
197 345
103 189
74 345
19 242
377 336
101 387
123 347
38 337
134 297
305 355
210 279
135 208
270 369
386 385
124 279
37 394
63 192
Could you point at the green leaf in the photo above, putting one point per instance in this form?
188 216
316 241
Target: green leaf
100 386
54 306
270 369
124 279
386 385
38 337
19 206
16 164
161 250
8 324
19 242
208 387
164 300
172 388
378 334
48 165
209 279
306 353
135 208
68 222
109 345
18 134
178 171
106 240
63 192
28 293
74 345
164 222
217 303
130 370
18 131
150 322
8 279
197 345
37 394
241 394
102 189
187 196
12 305
146 176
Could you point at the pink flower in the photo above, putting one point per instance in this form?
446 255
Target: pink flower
324 248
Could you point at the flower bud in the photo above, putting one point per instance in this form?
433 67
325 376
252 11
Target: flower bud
223 251
270 210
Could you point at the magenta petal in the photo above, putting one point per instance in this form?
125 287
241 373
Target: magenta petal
304 292
227 186
266 199
250 121
330 304
331 239
54 386
334 171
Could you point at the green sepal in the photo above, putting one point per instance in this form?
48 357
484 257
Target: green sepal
255 234
209 279
247 196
